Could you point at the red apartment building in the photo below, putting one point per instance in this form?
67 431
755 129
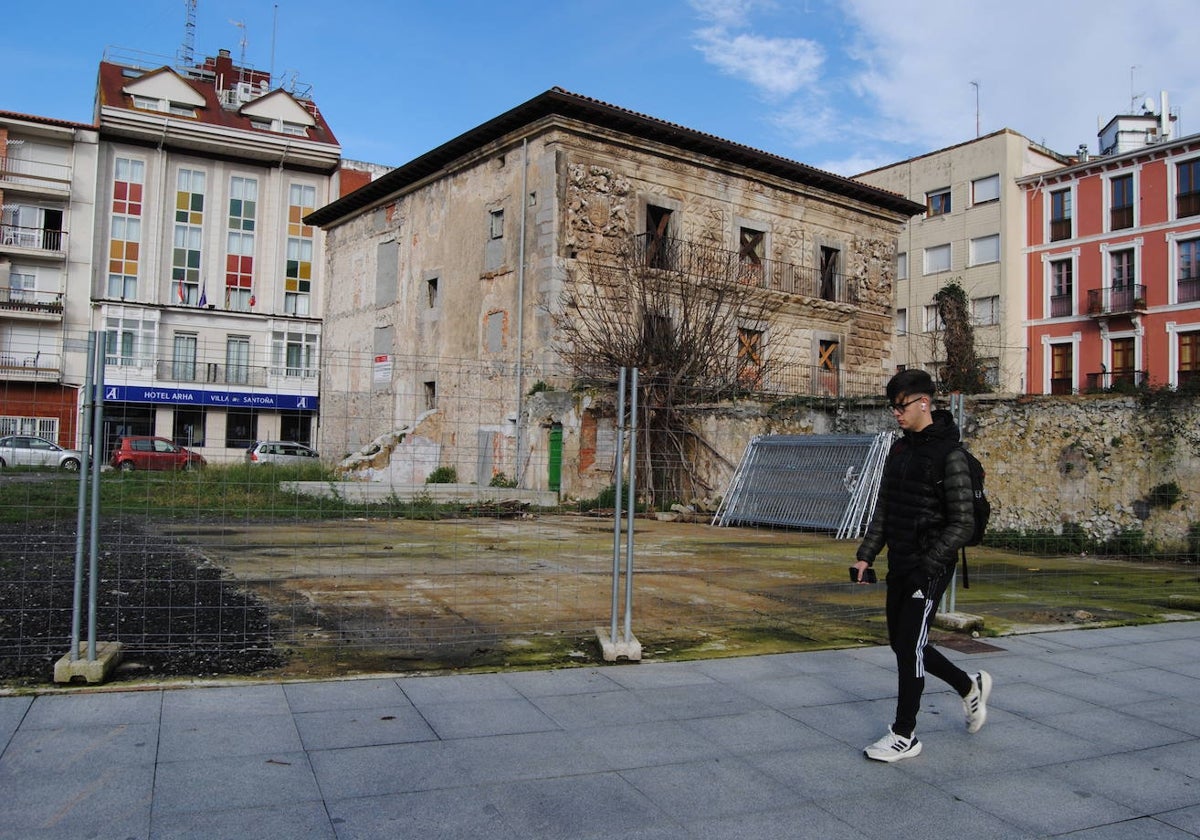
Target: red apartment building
1114 262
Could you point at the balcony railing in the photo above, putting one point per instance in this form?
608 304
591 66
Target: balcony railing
43 239
1117 300
1061 306
34 172
1117 380
39 366
209 373
1188 290
30 300
694 259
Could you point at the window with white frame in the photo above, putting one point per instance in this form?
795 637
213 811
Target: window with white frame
183 359
937 202
985 249
1187 188
496 224
237 359
129 338
125 235
902 266
294 352
1120 201
933 319
186 270
241 221
298 266
1187 354
900 322
984 190
164 106
43 427
1062 298
1187 270
937 259
1122 271
985 311
1060 214
22 284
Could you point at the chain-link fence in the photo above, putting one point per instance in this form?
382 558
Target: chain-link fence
357 563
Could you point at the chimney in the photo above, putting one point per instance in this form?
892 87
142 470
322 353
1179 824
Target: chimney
224 70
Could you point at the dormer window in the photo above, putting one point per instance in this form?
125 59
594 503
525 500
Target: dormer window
279 126
163 106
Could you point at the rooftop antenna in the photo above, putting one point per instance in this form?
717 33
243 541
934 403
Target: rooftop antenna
274 31
975 84
187 51
1133 97
241 24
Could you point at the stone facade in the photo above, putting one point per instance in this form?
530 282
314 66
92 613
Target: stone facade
1090 461
445 276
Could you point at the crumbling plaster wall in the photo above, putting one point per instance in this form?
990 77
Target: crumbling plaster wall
1086 460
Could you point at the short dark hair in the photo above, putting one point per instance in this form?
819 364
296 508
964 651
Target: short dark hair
908 382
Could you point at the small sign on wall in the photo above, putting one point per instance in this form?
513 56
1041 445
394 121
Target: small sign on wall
383 369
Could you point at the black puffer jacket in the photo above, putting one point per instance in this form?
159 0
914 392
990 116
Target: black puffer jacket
922 524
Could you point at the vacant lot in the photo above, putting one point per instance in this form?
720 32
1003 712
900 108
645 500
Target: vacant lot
236 594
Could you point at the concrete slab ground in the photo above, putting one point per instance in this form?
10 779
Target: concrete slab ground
1091 734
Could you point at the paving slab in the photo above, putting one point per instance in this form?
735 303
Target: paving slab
1091 734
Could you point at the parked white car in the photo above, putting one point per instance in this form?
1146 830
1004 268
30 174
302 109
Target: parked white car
280 452
30 451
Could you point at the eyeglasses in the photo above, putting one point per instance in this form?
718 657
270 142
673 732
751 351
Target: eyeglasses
899 408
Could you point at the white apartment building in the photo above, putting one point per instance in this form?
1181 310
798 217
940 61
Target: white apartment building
207 283
971 232
47 196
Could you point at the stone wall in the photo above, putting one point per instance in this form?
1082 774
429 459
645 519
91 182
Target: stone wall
1091 461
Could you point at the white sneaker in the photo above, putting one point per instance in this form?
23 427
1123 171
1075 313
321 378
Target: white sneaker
975 703
892 747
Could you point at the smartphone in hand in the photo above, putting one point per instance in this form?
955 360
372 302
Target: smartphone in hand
868 575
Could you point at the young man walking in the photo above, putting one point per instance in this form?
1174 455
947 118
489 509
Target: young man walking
924 515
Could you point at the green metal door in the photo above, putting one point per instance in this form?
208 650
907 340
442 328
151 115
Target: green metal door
555 473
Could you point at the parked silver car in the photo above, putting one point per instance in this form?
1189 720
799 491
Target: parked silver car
280 452
30 451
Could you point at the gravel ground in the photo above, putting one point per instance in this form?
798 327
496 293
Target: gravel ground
174 613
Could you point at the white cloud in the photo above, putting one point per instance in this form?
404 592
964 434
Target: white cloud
1049 70
779 67
726 14
889 79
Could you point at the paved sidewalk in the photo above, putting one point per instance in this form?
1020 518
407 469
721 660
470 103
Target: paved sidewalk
1091 734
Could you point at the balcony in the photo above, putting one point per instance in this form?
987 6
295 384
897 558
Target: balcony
1117 300
35 239
210 373
1188 290
29 303
1062 385
30 367
696 260
1117 380
16 173
1061 306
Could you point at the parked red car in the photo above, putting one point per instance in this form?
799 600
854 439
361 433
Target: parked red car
153 453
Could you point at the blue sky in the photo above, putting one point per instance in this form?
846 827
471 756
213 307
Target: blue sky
844 85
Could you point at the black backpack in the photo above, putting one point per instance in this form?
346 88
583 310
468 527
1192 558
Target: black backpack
982 507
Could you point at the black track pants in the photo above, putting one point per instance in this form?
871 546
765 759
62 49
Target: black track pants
911 605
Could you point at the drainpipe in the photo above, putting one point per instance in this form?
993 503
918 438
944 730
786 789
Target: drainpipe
520 470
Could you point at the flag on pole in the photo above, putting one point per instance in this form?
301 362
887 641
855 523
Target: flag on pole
182 294
203 298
